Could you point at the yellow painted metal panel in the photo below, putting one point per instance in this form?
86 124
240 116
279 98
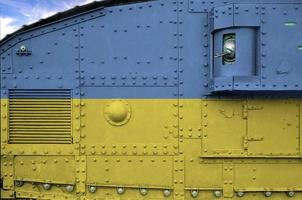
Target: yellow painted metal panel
138 171
110 193
56 169
271 177
36 191
208 195
190 118
224 127
144 149
152 125
198 174
273 127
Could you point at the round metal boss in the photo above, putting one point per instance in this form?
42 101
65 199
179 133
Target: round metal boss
117 112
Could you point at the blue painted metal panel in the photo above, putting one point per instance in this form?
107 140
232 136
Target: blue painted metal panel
206 6
194 54
6 62
133 45
281 58
247 14
129 92
53 62
267 55
222 17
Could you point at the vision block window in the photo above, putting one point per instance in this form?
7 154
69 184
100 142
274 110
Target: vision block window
229 48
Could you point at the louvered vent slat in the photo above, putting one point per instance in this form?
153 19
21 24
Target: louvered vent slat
40 117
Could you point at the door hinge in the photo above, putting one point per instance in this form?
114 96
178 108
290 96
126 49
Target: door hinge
246 108
247 139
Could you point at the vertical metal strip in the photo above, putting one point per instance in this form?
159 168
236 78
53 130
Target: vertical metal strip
4 122
81 174
228 180
179 178
7 169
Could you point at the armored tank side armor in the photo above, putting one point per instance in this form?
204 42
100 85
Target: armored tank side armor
163 99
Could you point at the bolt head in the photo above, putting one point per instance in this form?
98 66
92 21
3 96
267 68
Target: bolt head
46 186
291 193
143 191
194 193
69 188
268 193
240 194
217 193
23 48
92 189
120 190
19 183
167 193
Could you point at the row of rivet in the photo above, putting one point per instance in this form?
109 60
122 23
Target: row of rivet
46 186
120 191
218 193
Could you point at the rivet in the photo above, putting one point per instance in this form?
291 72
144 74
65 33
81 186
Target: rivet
194 193
240 194
268 193
167 193
291 193
120 190
143 191
92 189
46 186
69 188
19 183
217 193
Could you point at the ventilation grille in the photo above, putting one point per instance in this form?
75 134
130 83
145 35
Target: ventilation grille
40 117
